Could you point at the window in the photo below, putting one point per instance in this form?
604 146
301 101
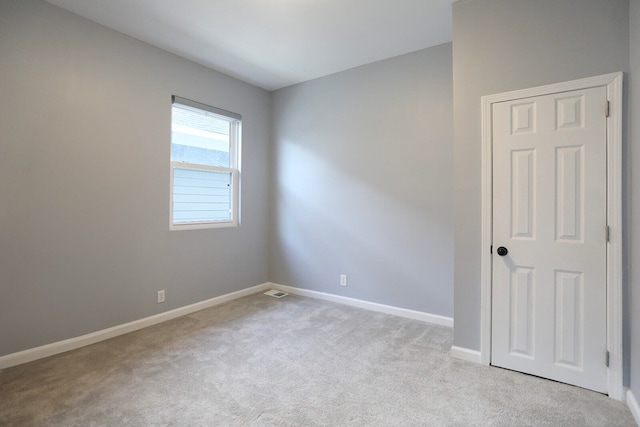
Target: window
205 172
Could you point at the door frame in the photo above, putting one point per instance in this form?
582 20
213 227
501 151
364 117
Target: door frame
613 84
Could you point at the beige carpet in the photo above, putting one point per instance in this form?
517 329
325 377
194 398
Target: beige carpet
295 361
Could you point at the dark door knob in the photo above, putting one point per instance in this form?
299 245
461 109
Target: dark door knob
502 251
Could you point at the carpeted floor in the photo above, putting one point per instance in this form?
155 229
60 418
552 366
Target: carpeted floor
295 361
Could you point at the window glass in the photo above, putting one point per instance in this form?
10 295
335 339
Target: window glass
199 137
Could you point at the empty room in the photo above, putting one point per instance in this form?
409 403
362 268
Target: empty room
320 212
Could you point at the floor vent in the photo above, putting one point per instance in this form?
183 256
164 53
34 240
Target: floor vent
276 293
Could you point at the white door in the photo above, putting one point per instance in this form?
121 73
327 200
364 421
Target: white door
549 214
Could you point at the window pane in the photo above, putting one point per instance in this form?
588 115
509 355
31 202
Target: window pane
199 137
201 195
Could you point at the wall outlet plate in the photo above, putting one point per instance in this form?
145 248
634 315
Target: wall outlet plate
343 280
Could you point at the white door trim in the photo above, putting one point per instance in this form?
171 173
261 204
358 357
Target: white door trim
613 83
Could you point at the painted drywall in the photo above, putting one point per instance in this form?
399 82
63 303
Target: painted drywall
84 180
504 45
633 173
362 183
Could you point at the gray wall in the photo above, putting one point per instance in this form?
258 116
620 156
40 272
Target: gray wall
633 163
84 180
503 45
363 183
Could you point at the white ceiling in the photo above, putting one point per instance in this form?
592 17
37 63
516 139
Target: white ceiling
276 43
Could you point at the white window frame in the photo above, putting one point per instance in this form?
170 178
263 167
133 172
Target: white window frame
233 169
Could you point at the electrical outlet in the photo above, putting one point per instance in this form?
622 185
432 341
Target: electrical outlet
160 296
343 280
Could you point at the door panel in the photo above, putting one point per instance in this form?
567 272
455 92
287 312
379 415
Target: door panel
523 165
522 312
549 211
569 333
569 194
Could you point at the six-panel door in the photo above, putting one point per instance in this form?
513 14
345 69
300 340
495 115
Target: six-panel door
549 211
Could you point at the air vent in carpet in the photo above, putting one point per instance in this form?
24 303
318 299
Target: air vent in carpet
276 293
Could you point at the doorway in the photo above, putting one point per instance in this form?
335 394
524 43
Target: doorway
548 198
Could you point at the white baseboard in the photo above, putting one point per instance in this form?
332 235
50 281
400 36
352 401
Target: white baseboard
52 349
633 406
32 354
465 354
381 308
